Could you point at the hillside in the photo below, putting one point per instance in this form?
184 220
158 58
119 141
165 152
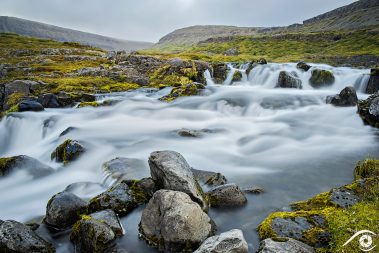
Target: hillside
45 31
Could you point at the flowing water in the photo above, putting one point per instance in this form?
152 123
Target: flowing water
287 141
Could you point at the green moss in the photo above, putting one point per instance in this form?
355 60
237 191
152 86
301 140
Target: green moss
367 168
60 154
86 104
320 201
237 76
14 98
321 78
182 91
140 196
5 163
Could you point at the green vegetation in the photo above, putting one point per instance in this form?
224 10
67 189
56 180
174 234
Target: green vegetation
4 164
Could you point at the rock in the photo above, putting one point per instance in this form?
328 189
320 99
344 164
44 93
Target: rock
293 228
227 195
192 89
368 110
262 61
343 197
220 72
67 130
288 80
373 83
110 218
85 190
68 151
321 78
48 101
237 76
64 209
122 168
171 221
253 190
30 105
209 178
250 67
24 163
304 66
232 52
189 133
347 97
374 107
17 90
284 245
228 242
123 197
171 171
16 237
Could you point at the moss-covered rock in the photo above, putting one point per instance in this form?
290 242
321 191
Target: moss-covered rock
192 89
366 169
321 78
368 110
68 151
237 76
304 66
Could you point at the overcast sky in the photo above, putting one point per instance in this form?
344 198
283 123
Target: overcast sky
149 20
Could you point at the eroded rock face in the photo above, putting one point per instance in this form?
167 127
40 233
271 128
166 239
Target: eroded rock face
321 78
24 163
16 237
171 171
227 195
232 241
284 245
68 151
172 221
288 80
64 209
347 97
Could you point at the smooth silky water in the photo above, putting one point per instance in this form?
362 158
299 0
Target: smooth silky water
287 141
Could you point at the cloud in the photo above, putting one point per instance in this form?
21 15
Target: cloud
149 20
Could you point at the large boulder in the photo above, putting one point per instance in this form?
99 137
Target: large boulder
284 245
321 78
232 241
288 80
369 110
171 221
171 171
373 83
122 168
30 105
17 237
68 151
304 66
227 195
64 209
25 163
347 97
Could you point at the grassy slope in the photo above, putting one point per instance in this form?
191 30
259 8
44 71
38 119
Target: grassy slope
314 47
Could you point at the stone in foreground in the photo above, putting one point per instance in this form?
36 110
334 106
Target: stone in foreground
171 221
171 171
347 97
64 209
16 237
228 242
284 245
227 195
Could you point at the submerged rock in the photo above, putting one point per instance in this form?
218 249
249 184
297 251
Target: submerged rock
232 241
304 66
209 178
25 163
192 89
369 110
16 237
68 151
64 209
122 168
288 80
321 78
227 195
284 245
189 133
347 97
67 131
171 171
171 221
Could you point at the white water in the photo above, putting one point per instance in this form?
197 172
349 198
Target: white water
285 140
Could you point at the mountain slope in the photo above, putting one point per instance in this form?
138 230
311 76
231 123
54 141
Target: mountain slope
45 31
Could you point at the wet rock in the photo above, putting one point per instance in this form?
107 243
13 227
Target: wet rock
262 61
369 110
85 190
209 178
250 67
17 90
293 228
232 241
284 245
49 101
110 218
347 97
123 197
253 190
16 237
232 52
192 89
64 209
184 132
227 195
237 76
68 151
67 130
171 221
321 78
373 83
288 80
29 105
304 66
24 163
171 171
344 197
220 72
122 168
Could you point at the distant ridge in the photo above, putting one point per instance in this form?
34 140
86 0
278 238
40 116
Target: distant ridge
45 31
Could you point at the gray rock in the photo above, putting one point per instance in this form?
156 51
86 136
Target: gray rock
344 197
374 107
368 110
110 218
293 228
171 221
347 97
64 209
16 237
68 151
288 80
184 132
253 190
25 163
171 171
373 83
284 245
227 195
209 178
228 242
49 101
122 168
304 66
29 105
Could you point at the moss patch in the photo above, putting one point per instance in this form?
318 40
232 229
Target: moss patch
5 163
